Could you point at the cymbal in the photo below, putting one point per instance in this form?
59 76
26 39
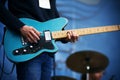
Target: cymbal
87 61
62 78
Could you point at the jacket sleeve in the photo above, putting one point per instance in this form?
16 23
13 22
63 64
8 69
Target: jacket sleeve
8 19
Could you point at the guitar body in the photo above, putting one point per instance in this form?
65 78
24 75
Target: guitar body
12 41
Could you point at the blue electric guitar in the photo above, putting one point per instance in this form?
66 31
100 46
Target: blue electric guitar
18 49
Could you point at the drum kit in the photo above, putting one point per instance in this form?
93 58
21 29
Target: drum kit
85 62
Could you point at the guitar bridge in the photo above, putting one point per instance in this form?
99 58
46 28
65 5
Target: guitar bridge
24 42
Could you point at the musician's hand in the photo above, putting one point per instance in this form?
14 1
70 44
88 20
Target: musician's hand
30 34
71 36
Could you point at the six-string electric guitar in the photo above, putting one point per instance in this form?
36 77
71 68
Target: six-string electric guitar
18 50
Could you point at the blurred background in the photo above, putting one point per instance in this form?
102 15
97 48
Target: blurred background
83 14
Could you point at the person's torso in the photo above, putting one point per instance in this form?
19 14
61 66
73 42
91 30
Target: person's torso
32 9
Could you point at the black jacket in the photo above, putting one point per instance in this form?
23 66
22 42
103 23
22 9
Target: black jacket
25 8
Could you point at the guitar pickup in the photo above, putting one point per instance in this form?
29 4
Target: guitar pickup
47 35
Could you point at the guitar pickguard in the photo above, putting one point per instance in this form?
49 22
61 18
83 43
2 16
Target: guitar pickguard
35 47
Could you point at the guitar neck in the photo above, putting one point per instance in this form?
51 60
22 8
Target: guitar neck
85 31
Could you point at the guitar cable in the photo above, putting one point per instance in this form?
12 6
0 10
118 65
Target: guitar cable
2 67
3 61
